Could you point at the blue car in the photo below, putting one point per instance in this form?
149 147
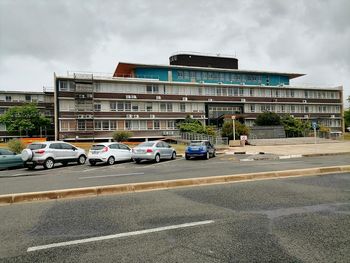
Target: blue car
202 149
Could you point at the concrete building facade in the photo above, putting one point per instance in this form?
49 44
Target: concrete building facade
149 100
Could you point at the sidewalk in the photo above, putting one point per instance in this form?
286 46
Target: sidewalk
300 149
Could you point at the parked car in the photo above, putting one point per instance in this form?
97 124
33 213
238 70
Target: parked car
203 149
153 150
109 153
49 153
9 159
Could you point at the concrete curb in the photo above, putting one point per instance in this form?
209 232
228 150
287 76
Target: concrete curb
169 184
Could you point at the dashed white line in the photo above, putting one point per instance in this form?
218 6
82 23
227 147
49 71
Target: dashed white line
127 234
110 175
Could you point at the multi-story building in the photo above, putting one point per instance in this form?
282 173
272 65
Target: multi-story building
44 101
149 99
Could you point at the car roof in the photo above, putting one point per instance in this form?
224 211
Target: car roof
107 143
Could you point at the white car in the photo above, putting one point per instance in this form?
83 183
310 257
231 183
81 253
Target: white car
49 153
109 153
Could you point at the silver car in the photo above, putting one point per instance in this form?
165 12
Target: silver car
153 150
49 153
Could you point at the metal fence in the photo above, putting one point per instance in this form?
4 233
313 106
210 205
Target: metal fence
187 136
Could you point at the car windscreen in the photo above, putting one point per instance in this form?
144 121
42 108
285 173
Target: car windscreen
97 147
196 144
36 146
146 144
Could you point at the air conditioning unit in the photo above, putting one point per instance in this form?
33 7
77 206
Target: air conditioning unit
152 116
332 116
304 101
184 98
136 116
306 116
275 100
191 116
158 97
89 116
242 100
81 117
210 99
202 116
129 115
131 96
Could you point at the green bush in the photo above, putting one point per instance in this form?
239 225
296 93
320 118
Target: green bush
268 119
120 136
240 129
16 145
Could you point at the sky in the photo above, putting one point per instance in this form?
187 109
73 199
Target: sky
40 37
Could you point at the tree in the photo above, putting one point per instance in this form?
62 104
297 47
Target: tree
16 145
268 119
240 129
195 126
295 127
120 136
347 116
26 119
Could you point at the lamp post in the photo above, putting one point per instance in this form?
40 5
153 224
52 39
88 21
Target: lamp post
233 127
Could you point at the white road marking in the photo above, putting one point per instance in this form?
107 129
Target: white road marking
127 234
110 175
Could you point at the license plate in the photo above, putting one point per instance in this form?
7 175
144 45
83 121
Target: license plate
29 162
94 152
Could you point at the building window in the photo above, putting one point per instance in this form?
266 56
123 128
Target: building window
251 92
28 98
105 125
182 107
112 125
169 107
135 107
186 75
127 106
120 106
156 125
128 125
97 106
180 75
252 108
2 110
98 125
63 85
152 89
143 125
292 108
113 106
241 92
292 93
81 125
163 107
149 106
171 125
8 98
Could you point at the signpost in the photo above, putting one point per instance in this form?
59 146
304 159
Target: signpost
314 126
233 127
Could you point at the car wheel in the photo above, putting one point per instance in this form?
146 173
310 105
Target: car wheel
187 157
81 159
49 163
157 158
31 166
207 156
110 160
173 156
92 163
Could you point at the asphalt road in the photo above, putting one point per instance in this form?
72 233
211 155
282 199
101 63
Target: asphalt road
285 220
74 176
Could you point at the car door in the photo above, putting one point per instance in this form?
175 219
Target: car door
167 149
5 159
68 152
210 148
125 152
115 151
55 150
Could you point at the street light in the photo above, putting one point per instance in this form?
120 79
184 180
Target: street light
233 127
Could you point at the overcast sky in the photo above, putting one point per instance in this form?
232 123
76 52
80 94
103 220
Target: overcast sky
38 38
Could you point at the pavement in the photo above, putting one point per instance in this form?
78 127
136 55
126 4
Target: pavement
299 149
303 219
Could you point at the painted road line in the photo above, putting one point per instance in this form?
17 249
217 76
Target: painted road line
127 234
110 175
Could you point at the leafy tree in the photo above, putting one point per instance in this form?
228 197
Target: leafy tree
347 115
16 145
24 119
195 126
295 127
120 136
240 129
268 119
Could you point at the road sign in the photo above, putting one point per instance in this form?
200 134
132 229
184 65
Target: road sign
244 137
314 125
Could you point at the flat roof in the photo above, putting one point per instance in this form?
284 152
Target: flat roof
125 67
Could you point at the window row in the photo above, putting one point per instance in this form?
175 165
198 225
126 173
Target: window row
258 108
113 125
212 91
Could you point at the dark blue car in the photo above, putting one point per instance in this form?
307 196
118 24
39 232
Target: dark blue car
202 149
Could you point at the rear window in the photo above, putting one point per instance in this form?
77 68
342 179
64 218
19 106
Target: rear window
36 146
146 144
97 147
196 144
